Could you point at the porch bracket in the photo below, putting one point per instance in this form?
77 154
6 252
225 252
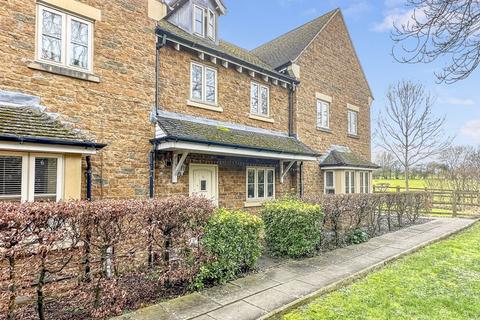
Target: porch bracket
283 171
177 164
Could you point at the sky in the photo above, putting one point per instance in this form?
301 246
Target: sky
250 23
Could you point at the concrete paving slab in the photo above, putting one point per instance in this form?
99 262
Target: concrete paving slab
189 306
239 310
296 288
280 274
270 299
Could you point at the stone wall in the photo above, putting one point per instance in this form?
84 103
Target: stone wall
330 66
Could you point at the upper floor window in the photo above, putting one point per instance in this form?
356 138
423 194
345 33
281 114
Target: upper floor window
64 39
204 22
259 100
323 114
352 122
349 181
203 84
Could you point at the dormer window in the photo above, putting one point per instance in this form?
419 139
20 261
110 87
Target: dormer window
199 21
211 25
204 22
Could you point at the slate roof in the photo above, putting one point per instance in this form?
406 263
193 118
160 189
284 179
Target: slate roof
190 131
346 159
29 124
289 46
224 48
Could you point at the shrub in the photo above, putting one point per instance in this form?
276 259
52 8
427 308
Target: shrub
232 243
292 227
357 236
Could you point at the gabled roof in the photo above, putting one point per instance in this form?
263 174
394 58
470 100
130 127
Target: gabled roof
28 124
224 49
177 4
288 47
178 128
346 159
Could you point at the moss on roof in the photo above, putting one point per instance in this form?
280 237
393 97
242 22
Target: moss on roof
185 130
346 159
27 122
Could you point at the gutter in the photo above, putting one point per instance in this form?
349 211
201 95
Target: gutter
196 46
97 146
236 146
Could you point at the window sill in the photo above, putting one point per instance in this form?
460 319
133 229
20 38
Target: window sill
326 130
255 203
260 118
63 71
353 136
205 106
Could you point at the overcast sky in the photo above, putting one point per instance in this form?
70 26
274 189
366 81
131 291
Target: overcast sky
250 23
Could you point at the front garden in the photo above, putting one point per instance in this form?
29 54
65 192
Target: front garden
440 282
84 260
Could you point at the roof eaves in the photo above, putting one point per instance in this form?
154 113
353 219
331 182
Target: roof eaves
175 138
86 144
197 46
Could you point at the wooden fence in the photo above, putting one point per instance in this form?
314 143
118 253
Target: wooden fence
445 202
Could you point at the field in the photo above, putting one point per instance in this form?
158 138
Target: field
414 183
439 282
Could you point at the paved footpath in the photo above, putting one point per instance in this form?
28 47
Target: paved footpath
284 284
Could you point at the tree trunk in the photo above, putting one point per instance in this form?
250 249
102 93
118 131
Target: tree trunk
407 179
13 287
41 283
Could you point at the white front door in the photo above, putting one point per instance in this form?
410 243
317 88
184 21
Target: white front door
204 181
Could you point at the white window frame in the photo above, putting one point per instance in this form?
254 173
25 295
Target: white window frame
350 188
256 198
194 24
260 101
28 173
321 104
365 188
329 188
352 130
211 27
65 39
204 84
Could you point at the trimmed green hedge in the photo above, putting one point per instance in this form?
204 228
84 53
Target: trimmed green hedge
292 227
232 242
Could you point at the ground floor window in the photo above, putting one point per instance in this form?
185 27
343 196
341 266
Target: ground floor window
30 177
260 184
365 182
329 182
349 181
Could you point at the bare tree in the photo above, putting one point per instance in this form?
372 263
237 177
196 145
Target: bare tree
408 129
386 160
441 28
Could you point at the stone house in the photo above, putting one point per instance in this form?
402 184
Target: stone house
139 98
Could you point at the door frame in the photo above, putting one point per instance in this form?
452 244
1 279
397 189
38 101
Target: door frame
193 166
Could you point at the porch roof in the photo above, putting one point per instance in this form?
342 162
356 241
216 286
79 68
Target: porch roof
226 138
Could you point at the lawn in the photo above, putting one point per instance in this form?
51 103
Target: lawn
414 183
441 281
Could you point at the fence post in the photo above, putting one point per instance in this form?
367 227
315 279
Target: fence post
398 188
454 203
374 188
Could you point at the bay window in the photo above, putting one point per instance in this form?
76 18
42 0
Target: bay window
64 39
330 182
30 177
203 84
260 184
349 181
365 182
